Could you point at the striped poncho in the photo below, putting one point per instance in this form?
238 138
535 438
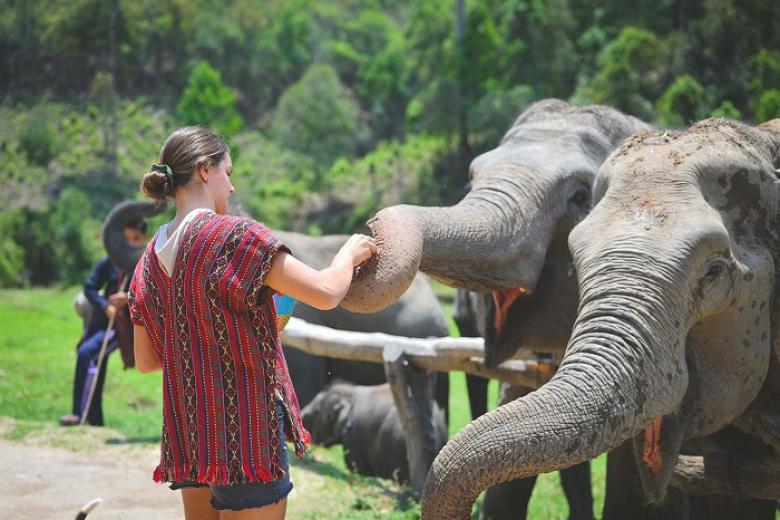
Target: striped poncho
212 324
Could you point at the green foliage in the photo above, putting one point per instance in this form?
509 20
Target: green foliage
11 257
728 110
208 102
91 89
75 236
394 172
317 116
683 103
627 74
38 136
372 50
764 67
768 105
30 230
271 182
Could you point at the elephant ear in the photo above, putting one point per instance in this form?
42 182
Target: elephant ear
772 129
121 253
343 418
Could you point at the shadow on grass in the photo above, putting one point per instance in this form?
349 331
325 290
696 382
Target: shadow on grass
402 496
322 468
152 439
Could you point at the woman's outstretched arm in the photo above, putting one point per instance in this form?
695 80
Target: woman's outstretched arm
323 289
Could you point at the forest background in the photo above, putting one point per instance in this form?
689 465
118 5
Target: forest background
333 108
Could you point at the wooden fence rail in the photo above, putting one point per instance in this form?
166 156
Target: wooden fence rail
441 354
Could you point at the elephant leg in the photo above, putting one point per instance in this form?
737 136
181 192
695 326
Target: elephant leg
624 497
442 394
508 500
478 389
577 488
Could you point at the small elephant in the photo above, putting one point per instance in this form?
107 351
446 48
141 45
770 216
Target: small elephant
365 420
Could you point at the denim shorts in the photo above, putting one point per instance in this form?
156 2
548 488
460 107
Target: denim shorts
254 494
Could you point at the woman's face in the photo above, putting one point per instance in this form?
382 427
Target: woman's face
219 185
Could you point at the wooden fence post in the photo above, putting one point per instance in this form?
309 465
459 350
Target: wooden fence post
413 392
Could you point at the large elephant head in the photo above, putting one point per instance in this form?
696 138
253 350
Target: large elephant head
677 266
508 235
119 250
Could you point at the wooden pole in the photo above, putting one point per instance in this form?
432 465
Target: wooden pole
440 354
743 475
413 393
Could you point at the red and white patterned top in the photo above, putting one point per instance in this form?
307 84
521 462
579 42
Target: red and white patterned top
212 324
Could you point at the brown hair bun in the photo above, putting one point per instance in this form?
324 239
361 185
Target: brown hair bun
155 186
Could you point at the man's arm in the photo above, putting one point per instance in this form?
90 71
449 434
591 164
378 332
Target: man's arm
95 281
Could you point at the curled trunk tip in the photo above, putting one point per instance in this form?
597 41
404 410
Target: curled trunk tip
383 279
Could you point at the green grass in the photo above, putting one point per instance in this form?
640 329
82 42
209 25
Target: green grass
38 334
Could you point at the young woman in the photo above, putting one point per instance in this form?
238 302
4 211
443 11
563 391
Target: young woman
203 313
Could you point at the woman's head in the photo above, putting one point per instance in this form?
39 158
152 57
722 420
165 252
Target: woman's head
192 160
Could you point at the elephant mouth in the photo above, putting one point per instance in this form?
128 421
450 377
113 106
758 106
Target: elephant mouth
503 300
499 347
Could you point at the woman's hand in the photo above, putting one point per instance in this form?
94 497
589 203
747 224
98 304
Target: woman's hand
322 289
359 248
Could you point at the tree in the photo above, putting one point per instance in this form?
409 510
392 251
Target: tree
71 228
207 101
628 72
683 102
768 106
317 116
728 110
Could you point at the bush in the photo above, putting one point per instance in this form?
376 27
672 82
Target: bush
270 181
393 173
768 105
208 102
317 116
628 70
728 110
39 137
11 258
682 103
76 236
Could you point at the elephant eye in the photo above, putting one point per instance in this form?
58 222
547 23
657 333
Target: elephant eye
715 271
580 198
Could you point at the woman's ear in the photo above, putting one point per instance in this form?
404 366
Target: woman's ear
203 173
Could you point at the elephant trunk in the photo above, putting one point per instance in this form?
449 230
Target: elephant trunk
463 246
609 387
122 253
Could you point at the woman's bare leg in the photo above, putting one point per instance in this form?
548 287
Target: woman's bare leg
270 512
197 504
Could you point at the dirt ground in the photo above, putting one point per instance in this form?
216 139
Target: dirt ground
39 480
49 482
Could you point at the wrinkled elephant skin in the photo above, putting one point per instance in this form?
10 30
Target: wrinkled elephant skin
677 268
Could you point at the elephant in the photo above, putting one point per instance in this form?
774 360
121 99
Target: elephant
508 236
676 344
416 314
365 420
510 499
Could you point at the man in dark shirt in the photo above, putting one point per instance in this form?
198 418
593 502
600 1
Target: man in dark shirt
106 277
